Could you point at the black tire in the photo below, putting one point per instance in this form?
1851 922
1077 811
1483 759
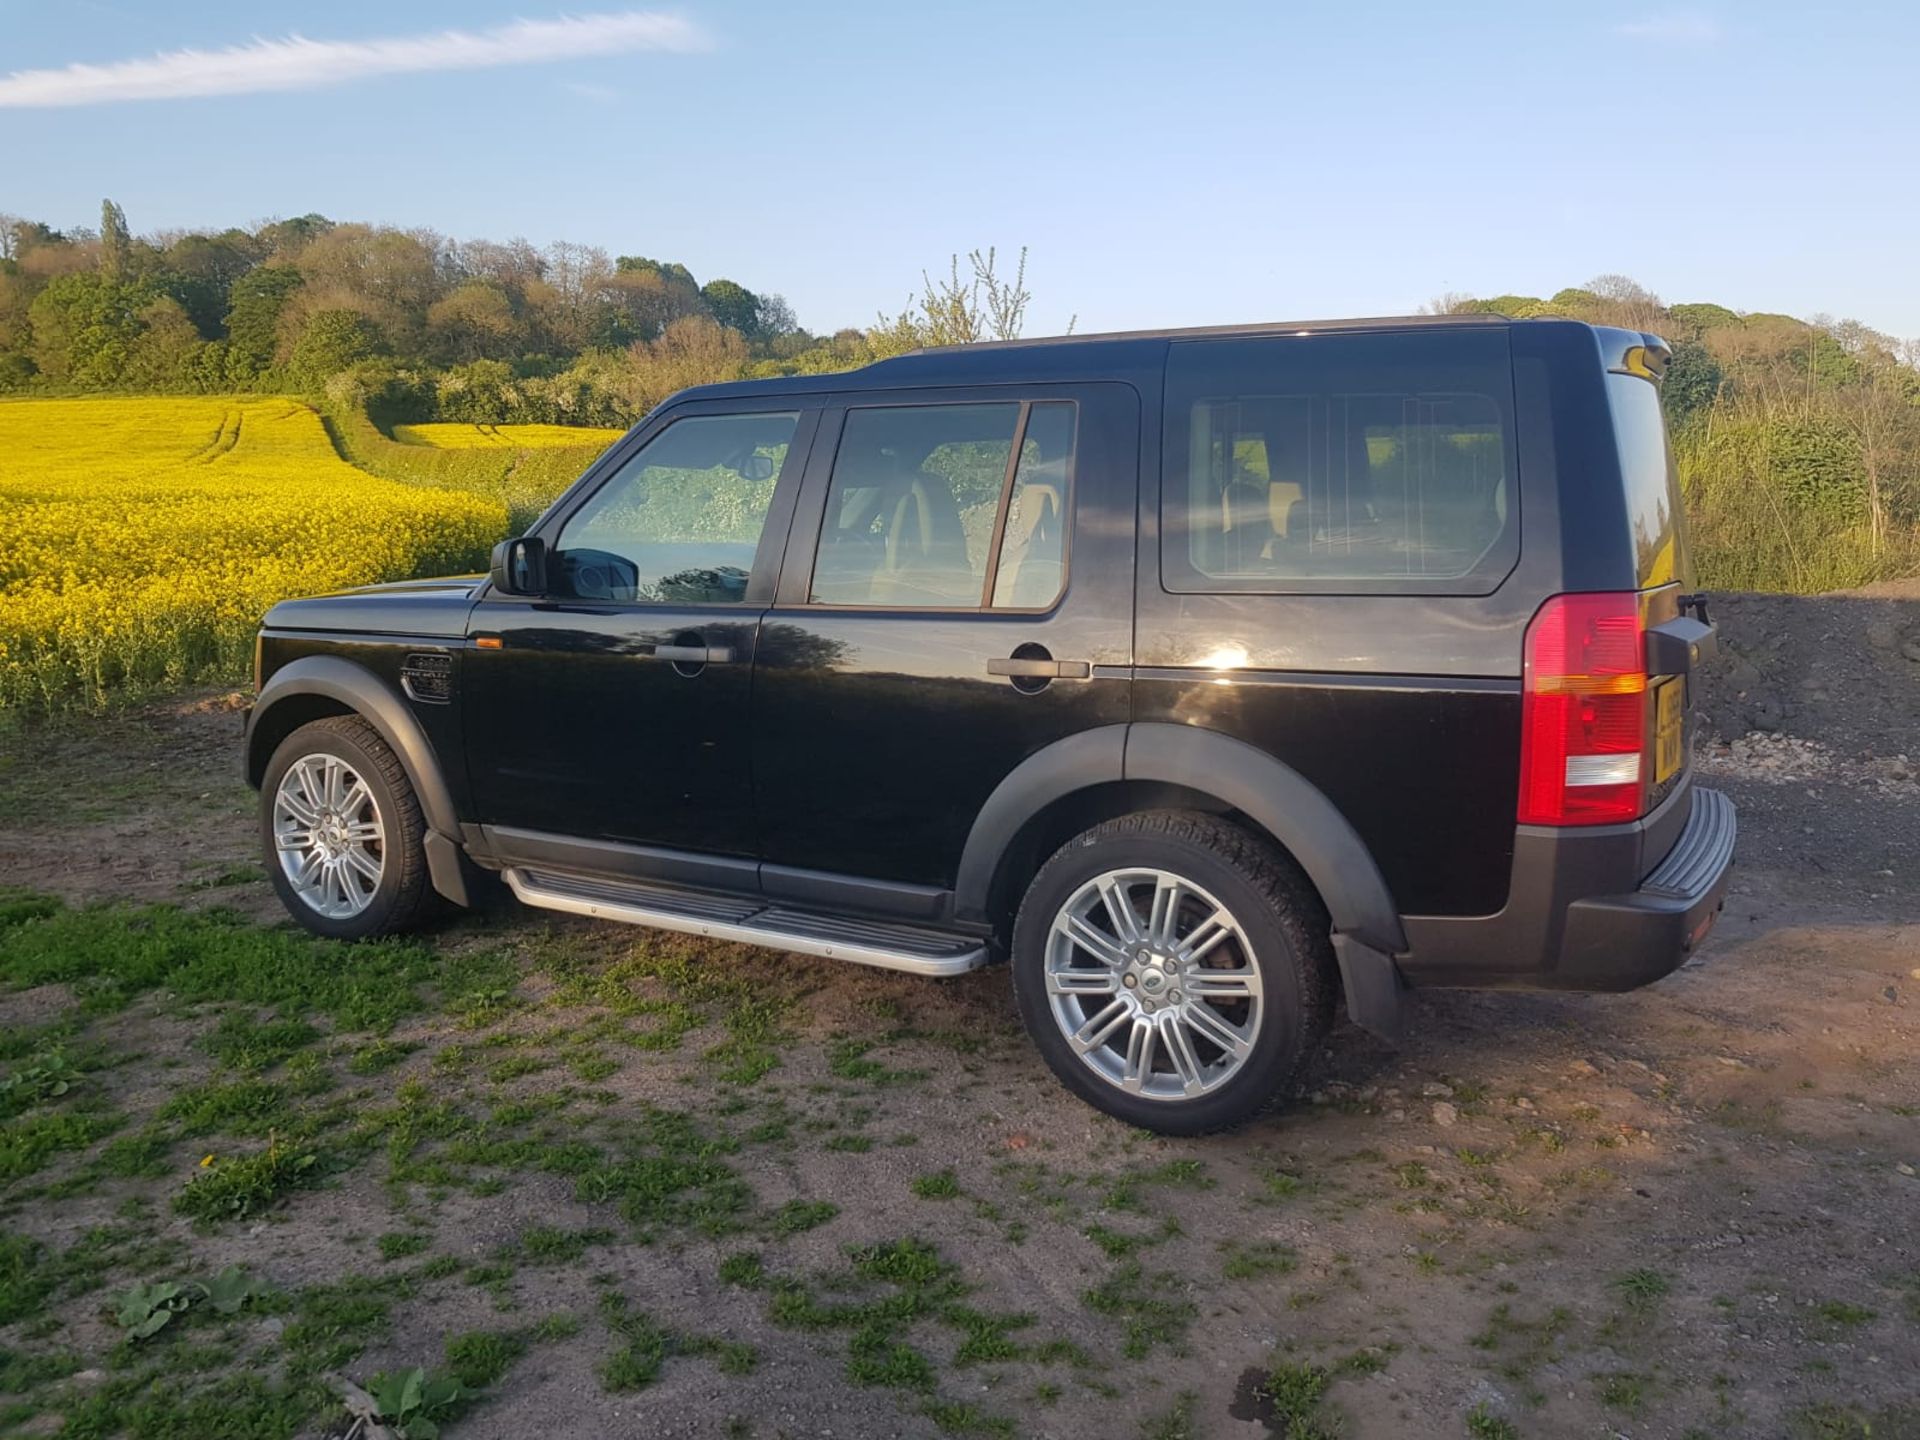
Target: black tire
403 899
1285 928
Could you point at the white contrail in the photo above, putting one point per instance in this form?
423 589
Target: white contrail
297 63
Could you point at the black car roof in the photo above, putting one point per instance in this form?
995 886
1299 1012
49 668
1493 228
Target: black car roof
1060 357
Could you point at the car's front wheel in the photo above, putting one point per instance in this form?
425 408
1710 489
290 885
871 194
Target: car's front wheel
1173 969
342 831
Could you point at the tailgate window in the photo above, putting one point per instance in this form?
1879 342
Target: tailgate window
1654 509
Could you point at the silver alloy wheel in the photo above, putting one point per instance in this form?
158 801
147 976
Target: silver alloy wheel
328 835
1153 983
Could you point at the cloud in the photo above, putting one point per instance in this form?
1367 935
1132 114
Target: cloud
297 63
1680 28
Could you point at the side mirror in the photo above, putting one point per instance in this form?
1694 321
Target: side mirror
756 467
520 566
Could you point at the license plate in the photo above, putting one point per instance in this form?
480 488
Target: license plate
1670 729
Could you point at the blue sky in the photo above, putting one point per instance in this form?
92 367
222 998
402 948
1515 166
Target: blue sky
1167 164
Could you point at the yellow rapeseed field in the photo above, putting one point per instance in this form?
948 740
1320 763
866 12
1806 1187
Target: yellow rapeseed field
504 437
142 538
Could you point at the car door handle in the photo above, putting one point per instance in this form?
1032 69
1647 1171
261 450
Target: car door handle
694 654
1022 669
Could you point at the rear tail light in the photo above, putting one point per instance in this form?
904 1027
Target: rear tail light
1583 715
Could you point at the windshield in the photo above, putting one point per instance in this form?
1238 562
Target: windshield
1654 509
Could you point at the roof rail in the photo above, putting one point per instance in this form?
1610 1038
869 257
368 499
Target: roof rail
1265 327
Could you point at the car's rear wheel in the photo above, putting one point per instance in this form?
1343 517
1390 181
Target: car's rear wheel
1173 969
342 831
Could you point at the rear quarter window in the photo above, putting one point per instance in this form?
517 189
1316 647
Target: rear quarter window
1340 463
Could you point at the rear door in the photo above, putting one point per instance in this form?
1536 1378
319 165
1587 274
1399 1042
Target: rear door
957 594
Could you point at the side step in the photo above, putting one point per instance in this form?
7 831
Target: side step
750 922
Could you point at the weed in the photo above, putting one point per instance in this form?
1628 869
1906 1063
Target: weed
1296 1393
1483 1424
550 1245
1842 1315
333 1323
645 1348
558 1326
1146 1307
1280 1185
412 1404
399 1244
743 1268
480 1357
239 1107
47 1075
1643 1289
986 1336
1413 1175
27 1144
111 953
235 1189
851 1144
242 1041
875 1357
939 1185
797 1216
957 1417
145 1310
1623 1390
1251 1260
1124 1192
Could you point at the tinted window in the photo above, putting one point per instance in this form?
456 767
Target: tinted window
1033 545
916 503
1338 461
1653 498
680 521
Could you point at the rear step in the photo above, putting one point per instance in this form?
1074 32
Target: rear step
751 922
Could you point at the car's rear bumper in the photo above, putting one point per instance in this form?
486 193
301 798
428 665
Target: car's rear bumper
1615 942
1577 918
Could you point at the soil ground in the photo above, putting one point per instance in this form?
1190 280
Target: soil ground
709 1191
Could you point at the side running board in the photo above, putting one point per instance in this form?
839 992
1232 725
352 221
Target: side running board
750 922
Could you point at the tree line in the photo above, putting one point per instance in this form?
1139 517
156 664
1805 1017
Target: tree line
1797 441
422 326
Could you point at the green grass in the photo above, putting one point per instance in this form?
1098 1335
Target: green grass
1256 1259
29 1143
1296 1394
112 953
1151 1308
550 1245
1483 1424
1643 1289
940 1185
234 1189
400 1244
480 1358
249 1108
799 1215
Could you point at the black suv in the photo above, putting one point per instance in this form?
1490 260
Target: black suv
1204 675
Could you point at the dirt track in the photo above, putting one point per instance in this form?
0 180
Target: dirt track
1692 1210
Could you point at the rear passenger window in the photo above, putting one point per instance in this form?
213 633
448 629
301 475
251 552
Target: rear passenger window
948 507
1339 462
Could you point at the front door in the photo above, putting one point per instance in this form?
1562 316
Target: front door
615 707
957 594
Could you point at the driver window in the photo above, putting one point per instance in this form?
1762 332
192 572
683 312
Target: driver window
680 521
